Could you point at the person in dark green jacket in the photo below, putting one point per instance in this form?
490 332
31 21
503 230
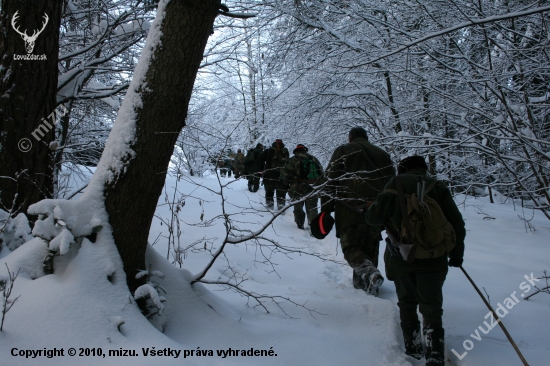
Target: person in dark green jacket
419 284
356 173
252 167
272 162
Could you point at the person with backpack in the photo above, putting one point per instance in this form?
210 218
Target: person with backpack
425 228
356 173
252 167
238 164
272 162
301 172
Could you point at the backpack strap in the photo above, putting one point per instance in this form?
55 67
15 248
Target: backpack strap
403 205
430 187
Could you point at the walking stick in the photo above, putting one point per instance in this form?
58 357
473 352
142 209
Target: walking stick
499 321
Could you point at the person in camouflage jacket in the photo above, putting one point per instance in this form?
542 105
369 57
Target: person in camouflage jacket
300 186
356 173
419 284
238 164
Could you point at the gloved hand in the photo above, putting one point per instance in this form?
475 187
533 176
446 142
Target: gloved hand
455 262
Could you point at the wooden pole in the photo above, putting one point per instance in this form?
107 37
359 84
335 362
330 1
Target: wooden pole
499 321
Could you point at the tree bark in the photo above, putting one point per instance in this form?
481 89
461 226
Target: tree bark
131 197
27 95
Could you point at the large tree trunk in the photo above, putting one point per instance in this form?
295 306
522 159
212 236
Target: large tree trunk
132 190
27 95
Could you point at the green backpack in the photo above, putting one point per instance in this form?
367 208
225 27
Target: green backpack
310 170
424 225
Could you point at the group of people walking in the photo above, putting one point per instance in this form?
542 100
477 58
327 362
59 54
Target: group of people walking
361 187
282 175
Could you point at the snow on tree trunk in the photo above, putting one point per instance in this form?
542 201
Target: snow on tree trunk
133 167
27 97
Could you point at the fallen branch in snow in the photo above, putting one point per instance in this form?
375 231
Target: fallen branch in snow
236 230
254 235
498 320
277 300
544 289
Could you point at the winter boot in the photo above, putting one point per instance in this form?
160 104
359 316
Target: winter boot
413 339
375 281
434 339
367 277
300 224
357 281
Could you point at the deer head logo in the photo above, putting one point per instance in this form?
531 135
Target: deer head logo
29 40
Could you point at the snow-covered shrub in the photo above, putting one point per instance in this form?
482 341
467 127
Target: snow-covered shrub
61 229
151 293
14 231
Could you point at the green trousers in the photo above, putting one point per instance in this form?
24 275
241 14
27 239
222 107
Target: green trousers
253 181
360 242
310 204
419 285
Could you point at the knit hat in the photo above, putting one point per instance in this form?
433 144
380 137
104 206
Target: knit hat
299 148
412 162
321 225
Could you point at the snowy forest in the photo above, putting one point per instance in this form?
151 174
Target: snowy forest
121 236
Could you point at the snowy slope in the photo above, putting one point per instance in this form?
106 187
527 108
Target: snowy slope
80 307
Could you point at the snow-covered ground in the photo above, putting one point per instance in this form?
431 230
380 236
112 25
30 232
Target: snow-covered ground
81 307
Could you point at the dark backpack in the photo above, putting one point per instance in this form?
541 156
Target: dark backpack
239 159
425 226
278 161
310 170
250 157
